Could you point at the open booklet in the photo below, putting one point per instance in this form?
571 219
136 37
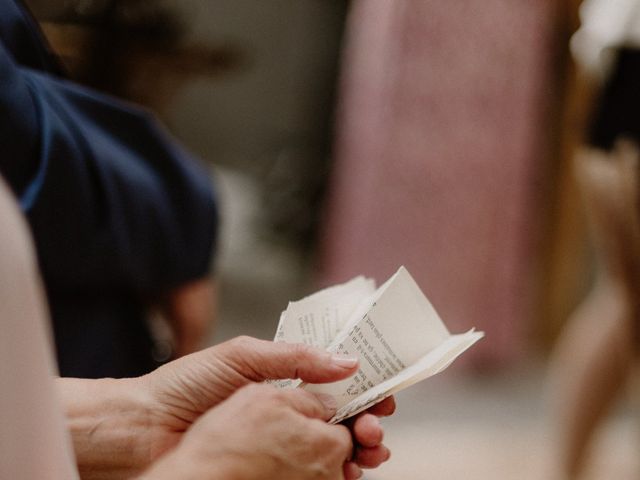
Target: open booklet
395 331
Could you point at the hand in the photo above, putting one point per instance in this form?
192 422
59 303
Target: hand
186 388
261 433
120 426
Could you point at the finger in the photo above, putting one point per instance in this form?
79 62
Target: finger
262 360
371 457
367 430
342 438
385 408
318 406
351 471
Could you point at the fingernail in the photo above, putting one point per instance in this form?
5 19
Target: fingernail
359 473
345 361
328 401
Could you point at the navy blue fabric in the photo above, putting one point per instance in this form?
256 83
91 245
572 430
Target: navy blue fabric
119 212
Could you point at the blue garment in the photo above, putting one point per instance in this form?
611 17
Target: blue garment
119 212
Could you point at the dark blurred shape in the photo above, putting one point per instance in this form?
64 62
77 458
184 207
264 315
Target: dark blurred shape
133 49
121 215
617 110
293 191
295 171
138 50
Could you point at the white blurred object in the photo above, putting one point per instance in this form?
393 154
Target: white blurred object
605 26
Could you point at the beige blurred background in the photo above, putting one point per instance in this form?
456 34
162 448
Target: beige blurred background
352 137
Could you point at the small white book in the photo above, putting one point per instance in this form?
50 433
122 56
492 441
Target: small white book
394 330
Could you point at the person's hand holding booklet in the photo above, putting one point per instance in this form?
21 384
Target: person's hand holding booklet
394 330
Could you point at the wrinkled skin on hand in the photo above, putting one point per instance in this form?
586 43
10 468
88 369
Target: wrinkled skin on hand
185 389
261 433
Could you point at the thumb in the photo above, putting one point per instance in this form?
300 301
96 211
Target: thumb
263 360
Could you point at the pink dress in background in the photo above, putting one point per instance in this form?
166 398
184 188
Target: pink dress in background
34 444
438 157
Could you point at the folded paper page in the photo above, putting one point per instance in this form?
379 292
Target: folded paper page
394 330
317 319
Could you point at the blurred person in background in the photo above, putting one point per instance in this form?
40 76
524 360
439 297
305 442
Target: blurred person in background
594 357
203 416
122 217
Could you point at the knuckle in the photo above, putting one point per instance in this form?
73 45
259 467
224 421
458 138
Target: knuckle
311 402
300 351
258 390
343 436
300 393
342 441
242 342
276 395
264 399
334 440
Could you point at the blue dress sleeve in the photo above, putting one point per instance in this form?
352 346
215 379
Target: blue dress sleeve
113 201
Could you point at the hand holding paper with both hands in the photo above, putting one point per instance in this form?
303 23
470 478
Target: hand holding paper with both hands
209 415
254 431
